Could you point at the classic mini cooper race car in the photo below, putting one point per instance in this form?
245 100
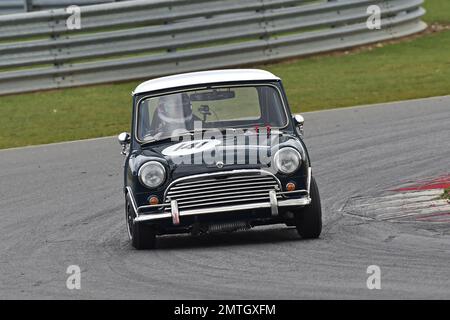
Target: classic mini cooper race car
216 151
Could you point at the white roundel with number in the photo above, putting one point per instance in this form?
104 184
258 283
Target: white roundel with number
190 147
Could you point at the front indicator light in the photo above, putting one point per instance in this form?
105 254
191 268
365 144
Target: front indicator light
290 186
153 200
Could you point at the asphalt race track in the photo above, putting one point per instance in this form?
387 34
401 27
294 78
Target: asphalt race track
62 205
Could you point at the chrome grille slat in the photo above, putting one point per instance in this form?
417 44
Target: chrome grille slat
219 183
240 185
208 194
218 189
195 192
222 198
226 179
222 202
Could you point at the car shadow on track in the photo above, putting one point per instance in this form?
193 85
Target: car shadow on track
239 238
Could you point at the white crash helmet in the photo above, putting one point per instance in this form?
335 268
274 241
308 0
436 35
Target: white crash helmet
174 110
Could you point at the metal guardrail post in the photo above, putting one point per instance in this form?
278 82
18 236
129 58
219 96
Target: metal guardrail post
28 5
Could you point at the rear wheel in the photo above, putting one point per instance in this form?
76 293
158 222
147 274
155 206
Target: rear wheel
308 220
142 236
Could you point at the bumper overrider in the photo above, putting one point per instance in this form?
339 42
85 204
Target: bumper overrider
172 209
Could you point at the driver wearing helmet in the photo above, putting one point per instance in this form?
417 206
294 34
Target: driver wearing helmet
174 112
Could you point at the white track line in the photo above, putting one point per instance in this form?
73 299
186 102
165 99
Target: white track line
444 209
433 205
404 205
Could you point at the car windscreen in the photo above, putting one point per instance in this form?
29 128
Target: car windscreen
248 106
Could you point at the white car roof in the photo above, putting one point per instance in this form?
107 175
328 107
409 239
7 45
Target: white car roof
204 77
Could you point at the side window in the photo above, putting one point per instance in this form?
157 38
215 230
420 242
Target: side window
272 107
146 116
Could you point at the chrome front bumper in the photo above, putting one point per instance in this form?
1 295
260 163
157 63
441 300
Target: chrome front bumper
176 214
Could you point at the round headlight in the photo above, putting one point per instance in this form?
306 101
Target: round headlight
287 160
152 174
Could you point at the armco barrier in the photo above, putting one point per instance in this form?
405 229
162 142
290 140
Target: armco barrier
143 39
16 6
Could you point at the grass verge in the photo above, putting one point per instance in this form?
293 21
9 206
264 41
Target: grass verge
412 69
437 11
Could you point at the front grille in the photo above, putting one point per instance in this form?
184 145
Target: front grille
221 189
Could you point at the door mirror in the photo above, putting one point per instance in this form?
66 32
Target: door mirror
299 121
124 140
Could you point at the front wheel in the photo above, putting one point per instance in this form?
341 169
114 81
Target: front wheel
308 220
142 236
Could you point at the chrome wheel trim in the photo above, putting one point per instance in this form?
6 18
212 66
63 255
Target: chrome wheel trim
129 217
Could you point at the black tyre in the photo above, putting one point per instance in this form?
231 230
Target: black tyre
142 236
308 220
